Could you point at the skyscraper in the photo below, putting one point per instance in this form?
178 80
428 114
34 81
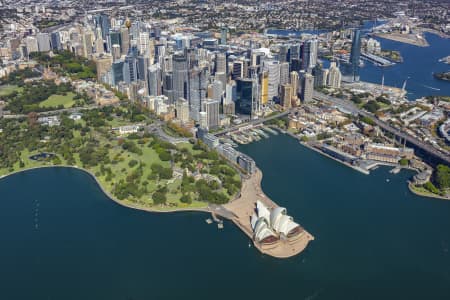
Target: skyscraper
355 54
182 110
211 107
125 40
307 87
102 21
273 69
238 70
264 87
284 73
309 54
334 76
180 76
223 35
55 41
286 95
294 80
197 90
244 99
87 39
221 63
154 80
43 41
117 72
115 38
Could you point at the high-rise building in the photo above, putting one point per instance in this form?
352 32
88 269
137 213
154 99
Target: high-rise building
142 67
154 80
320 76
230 93
198 82
355 54
55 41
334 76
180 76
211 107
31 44
307 87
221 63
283 53
223 35
286 95
309 54
273 69
294 81
230 98
294 52
238 70
244 96
115 51
144 42
43 41
284 73
102 22
167 86
182 110
264 86
203 119
103 64
217 91
125 40
117 72
130 69
88 40
115 38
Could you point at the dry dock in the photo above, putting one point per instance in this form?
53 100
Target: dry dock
243 207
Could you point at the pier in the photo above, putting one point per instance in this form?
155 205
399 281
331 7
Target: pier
240 210
376 59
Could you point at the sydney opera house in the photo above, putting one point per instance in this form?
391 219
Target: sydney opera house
271 225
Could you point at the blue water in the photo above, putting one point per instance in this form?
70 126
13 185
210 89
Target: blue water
417 68
374 239
419 65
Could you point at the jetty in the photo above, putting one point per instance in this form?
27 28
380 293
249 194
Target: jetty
240 211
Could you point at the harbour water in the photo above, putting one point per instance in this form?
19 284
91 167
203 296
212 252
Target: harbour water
417 69
374 239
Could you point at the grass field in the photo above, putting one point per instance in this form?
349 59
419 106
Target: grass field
56 100
8 89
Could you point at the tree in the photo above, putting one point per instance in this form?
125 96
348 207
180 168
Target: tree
404 162
442 176
186 198
159 197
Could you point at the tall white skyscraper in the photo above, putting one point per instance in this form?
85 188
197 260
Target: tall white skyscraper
273 69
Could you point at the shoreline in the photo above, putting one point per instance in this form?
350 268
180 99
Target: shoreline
108 194
401 39
434 196
366 172
250 192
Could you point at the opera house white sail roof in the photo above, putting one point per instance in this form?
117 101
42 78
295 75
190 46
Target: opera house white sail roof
268 224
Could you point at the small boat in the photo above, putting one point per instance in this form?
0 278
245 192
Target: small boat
387 180
208 221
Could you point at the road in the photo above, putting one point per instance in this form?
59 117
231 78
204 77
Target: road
253 122
347 105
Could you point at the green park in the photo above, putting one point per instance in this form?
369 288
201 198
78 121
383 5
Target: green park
138 169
